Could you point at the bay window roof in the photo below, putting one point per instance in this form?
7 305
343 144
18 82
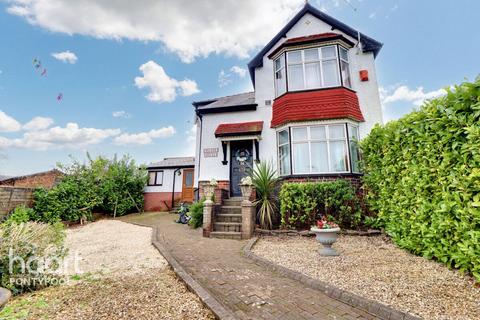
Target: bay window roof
238 129
337 103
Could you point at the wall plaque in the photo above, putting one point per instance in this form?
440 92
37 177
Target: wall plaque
210 152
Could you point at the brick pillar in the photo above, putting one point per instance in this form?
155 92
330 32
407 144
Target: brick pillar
207 217
248 219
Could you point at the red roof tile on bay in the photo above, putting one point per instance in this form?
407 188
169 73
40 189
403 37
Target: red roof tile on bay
338 103
228 129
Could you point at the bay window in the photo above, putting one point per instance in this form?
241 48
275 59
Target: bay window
312 68
319 149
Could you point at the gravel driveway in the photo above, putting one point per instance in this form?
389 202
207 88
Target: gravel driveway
375 268
123 277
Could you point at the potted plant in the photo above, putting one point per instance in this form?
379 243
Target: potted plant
209 189
326 232
246 185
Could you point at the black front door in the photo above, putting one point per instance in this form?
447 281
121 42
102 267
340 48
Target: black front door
241 163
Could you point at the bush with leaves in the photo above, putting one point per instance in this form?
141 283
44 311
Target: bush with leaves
196 214
112 186
423 177
34 243
301 204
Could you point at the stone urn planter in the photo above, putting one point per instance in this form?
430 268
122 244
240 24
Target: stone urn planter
246 186
209 191
4 297
326 237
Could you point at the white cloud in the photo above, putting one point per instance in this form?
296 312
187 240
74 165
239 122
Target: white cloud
121 114
65 56
162 87
372 15
143 138
70 136
38 123
403 93
190 29
225 78
8 124
241 72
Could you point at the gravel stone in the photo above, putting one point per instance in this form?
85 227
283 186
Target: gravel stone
375 268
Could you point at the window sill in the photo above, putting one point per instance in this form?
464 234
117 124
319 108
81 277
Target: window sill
315 89
321 175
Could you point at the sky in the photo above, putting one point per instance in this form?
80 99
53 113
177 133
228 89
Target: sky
119 76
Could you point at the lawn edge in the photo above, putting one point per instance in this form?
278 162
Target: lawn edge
373 307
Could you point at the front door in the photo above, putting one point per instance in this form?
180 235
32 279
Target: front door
241 164
187 185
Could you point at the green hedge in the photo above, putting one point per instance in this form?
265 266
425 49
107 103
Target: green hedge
423 177
301 204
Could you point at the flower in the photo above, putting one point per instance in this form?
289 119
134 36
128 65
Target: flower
246 181
213 182
325 224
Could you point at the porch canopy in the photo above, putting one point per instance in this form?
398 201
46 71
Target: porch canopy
239 131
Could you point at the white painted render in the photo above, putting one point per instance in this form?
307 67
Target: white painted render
367 93
167 185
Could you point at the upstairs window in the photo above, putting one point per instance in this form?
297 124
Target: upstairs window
312 68
280 78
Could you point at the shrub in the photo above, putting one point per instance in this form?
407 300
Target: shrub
265 182
29 241
20 214
423 177
301 204
113 186
196 214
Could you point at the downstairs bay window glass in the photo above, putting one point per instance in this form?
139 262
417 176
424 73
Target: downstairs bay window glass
301 158
354 149
284 153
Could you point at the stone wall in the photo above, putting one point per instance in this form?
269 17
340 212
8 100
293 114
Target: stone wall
11 197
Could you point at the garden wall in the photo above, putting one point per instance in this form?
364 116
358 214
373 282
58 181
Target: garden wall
422 173
11 197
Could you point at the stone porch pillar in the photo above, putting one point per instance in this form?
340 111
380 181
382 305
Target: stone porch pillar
248 219
207 217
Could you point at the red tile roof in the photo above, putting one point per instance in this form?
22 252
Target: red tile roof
242 128
337 103
313 37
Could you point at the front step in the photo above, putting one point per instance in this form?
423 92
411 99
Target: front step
230 210
234 201
226 235
228 217
227 226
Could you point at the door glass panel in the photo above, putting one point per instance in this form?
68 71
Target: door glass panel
189 178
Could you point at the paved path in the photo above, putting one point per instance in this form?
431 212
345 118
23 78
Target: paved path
249 290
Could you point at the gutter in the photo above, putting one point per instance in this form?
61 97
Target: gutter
200 117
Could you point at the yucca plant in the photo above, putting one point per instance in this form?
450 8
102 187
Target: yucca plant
264 178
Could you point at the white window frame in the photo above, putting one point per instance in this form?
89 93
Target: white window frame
319 61
340 60
350 139
327 140
278 152
275 70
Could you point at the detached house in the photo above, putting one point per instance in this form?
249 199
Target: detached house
315 94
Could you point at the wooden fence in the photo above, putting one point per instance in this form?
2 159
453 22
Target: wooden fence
11 197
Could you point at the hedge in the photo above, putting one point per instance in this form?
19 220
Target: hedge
301 204
423 177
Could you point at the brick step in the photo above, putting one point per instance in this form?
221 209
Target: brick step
228 217
226 235
227 226
231 210
237 201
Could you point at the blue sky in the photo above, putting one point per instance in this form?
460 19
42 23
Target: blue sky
188 52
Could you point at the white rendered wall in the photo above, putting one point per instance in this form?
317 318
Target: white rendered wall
168 182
